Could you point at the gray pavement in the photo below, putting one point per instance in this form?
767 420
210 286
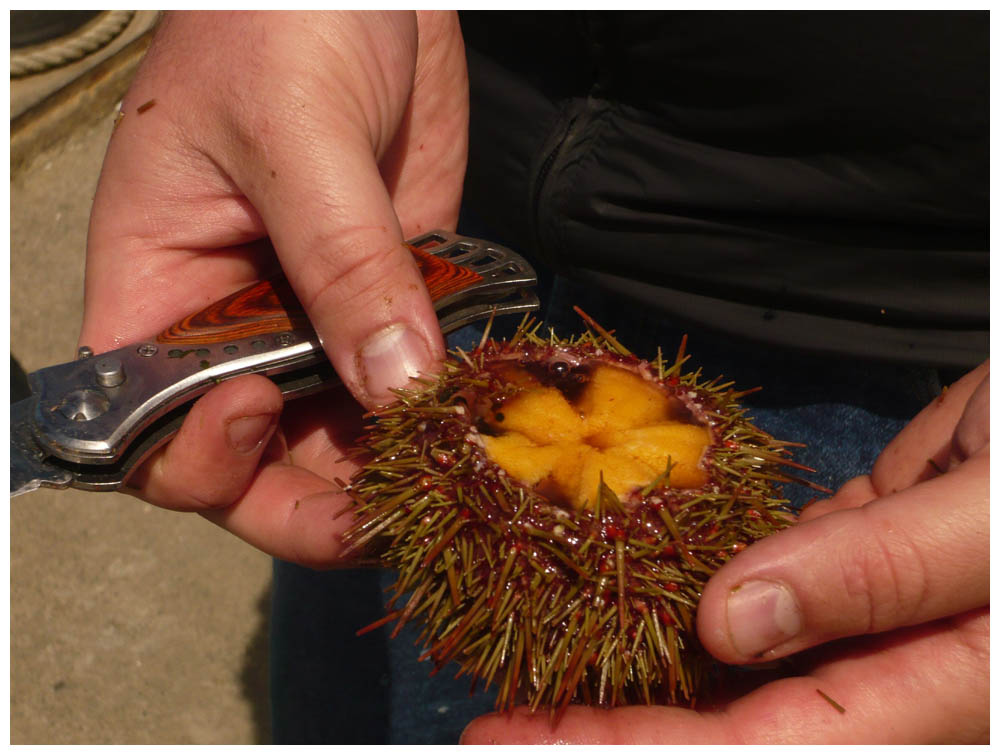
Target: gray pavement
128 624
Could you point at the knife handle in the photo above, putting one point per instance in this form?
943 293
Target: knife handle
112 409
270 306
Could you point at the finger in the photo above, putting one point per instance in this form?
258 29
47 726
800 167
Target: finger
852 494
309 165
973 430
901 560
342 249
923 448
212 459
924 685
289 513
223 466
321 430
294 510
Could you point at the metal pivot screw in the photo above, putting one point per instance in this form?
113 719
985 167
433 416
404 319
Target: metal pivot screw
147 350
84 352
284 339
85 405
110 372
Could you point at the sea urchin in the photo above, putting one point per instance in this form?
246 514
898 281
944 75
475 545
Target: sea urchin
554 509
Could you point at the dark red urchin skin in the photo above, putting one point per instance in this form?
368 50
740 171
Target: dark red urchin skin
558 604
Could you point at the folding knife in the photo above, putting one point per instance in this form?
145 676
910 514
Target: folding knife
89 423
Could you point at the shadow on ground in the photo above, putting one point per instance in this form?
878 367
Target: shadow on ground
254 674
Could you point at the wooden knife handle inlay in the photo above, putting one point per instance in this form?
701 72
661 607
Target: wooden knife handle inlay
271 306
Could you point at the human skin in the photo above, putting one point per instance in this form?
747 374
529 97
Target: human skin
337 135
890 582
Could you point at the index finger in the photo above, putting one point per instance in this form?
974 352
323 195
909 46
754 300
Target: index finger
923 448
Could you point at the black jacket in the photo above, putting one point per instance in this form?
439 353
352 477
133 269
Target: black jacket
815 180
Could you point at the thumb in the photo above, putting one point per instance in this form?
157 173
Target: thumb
341 247
309 165
900 560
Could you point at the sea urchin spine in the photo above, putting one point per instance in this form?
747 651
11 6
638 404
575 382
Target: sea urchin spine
554 509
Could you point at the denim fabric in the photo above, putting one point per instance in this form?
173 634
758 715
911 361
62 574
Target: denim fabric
329 686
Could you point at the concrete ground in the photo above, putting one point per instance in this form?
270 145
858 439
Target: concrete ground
128 624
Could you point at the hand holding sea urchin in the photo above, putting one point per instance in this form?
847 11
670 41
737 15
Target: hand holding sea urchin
554 509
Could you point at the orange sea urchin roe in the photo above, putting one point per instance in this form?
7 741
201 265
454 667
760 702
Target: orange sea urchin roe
610 422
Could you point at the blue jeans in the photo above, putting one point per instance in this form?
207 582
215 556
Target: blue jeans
329 686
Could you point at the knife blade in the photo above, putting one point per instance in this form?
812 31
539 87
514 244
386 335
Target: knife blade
28 467
90 422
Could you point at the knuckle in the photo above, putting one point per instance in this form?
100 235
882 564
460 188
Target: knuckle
854 493
306 507
973 430
886 573
221 488
215 497
973 632
359 271
204 491
857 491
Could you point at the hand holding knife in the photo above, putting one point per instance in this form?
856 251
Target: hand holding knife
89 423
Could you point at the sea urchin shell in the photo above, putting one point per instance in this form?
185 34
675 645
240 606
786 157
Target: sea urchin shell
554 509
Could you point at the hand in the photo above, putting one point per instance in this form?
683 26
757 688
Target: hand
897 561
336 136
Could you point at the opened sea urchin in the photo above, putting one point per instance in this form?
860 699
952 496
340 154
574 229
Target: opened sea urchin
554 509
